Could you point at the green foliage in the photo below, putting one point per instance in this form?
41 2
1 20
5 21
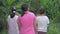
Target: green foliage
52 8
52 11
1 26
9 2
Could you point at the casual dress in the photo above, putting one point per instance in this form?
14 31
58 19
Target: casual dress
42 22
12 25
27 21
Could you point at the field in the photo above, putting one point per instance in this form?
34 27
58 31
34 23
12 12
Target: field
54 28
52 8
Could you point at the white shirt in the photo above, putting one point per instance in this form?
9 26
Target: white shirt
13 26
42 22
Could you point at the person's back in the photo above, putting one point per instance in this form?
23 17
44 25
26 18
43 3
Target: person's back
27 23
12 25
26 20
43 22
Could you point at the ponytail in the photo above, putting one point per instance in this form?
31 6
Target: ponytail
12 15
24 8
22 13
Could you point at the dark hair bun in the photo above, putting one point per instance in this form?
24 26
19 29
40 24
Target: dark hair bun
13 9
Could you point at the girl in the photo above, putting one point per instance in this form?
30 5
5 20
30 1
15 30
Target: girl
12 23
42 22
26 21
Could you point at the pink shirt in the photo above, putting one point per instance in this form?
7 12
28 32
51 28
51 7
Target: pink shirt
27 21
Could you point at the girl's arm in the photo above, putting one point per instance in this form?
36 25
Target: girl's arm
19 26
18 22
35 25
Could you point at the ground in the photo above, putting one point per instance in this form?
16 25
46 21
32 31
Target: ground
54 28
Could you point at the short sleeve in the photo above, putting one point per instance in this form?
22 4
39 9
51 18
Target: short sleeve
8 18
19 19
48 21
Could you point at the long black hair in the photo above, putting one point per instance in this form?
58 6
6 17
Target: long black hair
13 12
24 8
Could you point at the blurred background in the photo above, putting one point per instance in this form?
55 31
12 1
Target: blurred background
52 11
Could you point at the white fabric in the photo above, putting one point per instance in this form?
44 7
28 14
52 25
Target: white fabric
42 22
13 26
14 11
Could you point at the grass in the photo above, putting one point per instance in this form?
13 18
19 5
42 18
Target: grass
4 32
54 28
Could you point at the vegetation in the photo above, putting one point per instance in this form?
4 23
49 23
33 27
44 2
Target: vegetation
52 11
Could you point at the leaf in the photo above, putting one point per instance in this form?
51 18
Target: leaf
9 2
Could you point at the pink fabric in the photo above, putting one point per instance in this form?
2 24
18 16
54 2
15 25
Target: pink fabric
27 23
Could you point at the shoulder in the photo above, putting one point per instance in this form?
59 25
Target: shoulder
37 17
46 17
31 13
16 16
9 16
